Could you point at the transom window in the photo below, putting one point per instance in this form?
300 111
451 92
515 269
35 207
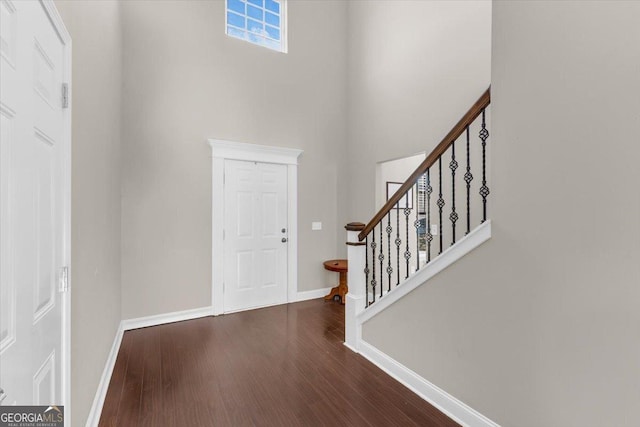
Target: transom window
258 21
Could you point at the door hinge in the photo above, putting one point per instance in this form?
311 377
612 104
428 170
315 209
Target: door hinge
64 279
65 95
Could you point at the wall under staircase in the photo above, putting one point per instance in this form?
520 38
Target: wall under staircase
539 325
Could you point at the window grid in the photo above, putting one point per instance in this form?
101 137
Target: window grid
257 21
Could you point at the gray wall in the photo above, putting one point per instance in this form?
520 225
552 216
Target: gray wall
414 69
549 333
186 81
95 232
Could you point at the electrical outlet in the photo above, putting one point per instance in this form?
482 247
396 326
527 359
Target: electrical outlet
315 226
434 229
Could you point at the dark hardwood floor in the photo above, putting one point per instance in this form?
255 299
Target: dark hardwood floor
277 366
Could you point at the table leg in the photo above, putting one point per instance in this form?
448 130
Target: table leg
342 287
334 291
340 290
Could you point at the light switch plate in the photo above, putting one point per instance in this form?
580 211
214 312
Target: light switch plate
434 229
316 225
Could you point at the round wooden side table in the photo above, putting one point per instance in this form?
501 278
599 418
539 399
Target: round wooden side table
340 266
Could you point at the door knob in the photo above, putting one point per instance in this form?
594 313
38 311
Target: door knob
284 240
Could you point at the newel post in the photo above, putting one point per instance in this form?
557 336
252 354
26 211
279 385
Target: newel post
356 297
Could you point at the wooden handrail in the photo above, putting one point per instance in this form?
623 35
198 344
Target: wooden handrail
466 120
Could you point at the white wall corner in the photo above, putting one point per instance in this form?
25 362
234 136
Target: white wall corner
446 403
101 393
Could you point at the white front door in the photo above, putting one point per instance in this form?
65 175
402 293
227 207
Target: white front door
32 205
255 237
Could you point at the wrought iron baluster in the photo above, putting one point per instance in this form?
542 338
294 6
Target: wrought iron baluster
440 200
484 190
398 242
373 264
389 268
428 225
366 271
416 223
453 217
381 258
407 253
468 177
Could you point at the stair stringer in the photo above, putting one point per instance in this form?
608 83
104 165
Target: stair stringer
468 243
443 401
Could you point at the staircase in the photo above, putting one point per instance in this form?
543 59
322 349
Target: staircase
438 215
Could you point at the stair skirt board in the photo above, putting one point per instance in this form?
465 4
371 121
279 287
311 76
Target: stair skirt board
468 243
447 404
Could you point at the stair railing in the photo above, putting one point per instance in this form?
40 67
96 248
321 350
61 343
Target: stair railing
410 230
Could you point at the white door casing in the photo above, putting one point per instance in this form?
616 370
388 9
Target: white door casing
255 236
228 150
35 61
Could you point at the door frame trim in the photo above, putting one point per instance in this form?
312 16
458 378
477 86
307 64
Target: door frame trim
58 24
222 150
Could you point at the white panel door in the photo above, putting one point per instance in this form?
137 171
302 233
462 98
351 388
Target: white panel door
31 205
255 241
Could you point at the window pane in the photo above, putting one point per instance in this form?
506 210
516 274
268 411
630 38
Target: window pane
255 13
241 34
236 6
274 33
254 26
273 6
256 21
235 20
254 38
272 19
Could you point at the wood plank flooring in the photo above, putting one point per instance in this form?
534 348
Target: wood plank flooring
277 366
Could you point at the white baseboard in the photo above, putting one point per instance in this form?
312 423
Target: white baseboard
127 325
312 294
257 307
355 350
98 401
155 320
196 313
447 404
161 319
468 243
